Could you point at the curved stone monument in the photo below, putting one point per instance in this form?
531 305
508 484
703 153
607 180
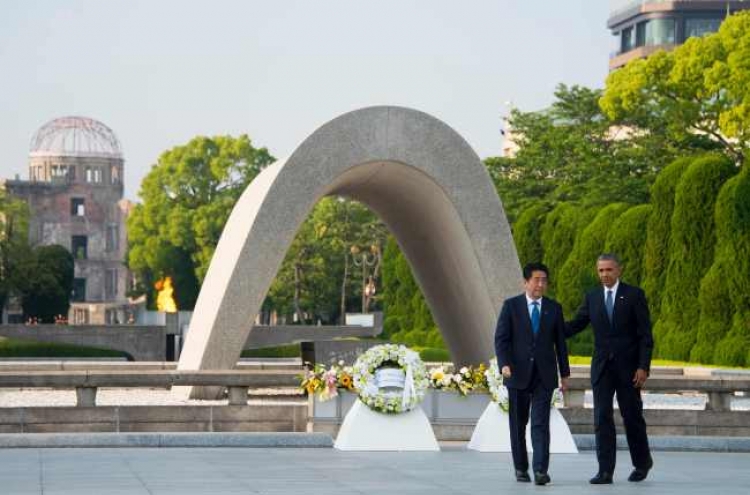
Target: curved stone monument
420 177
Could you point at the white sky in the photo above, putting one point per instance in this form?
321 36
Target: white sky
160 72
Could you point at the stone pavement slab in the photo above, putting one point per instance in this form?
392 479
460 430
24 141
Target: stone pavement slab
218 471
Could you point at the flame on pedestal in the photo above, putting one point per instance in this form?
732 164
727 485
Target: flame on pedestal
164 301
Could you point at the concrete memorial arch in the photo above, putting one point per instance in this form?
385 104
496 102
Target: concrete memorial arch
422 179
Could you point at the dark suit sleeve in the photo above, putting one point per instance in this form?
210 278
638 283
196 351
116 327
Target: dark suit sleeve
560 345
580 321
643 327
504 337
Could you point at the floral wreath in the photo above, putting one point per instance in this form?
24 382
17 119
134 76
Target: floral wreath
390 355
499 392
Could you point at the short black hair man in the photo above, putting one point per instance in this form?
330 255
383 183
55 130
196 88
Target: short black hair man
530 348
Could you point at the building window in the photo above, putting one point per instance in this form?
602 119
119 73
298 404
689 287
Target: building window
77 207
93 175
110 284
79 247
115 177
113 238
660 32
627 40
79 291
701 27
80 316
640 34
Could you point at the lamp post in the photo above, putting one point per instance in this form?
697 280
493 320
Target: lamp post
364 259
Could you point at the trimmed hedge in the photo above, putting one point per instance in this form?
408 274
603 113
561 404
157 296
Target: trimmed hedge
408 319
559 231
626 238
578 274
527 234
691 253
733 253
656 250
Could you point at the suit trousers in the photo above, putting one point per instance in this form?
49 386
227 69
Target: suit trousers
536 397
612 383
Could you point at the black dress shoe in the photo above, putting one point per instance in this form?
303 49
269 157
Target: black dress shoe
638 474
541 478
601 478
522 476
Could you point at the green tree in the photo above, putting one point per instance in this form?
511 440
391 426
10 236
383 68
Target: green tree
186 200
691 253
658 232
733 259
14 246
318 279
697 95
46 282
573 152
626 238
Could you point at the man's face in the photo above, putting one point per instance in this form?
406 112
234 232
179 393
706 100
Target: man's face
536 285
609 272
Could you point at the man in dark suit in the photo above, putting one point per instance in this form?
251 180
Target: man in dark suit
620 365
530 345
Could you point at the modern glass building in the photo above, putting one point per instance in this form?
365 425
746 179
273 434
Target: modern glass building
641 27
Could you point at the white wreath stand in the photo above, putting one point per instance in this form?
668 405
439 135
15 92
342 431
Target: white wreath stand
492 433
365 429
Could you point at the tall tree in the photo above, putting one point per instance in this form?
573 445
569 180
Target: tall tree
697 95
14 245
186 200
321 277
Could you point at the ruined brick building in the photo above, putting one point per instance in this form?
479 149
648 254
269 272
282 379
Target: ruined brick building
75 197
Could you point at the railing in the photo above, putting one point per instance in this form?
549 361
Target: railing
719 389
86 383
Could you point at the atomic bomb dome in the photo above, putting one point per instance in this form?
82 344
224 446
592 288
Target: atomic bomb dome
75 136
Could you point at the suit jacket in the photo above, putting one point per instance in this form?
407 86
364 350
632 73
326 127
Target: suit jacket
627 341
517 347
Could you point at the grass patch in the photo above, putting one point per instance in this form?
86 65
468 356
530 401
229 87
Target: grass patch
659 362
17 348
283 351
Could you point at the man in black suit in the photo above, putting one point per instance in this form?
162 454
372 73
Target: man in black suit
530 345
620 365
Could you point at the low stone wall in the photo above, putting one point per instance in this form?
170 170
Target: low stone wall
288 417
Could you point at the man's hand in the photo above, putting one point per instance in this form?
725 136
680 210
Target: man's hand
640 378
506 371
564 383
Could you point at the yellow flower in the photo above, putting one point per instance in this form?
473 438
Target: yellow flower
346 381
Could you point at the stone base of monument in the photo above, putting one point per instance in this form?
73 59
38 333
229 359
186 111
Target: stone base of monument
492 433
368 430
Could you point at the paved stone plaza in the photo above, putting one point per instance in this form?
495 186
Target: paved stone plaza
135 471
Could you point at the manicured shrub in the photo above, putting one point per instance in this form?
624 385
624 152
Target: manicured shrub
626 238
691 253
734 348
527 234
561 227
656 250
578 274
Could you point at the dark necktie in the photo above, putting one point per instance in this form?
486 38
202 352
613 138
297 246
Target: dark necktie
610 305
535 317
